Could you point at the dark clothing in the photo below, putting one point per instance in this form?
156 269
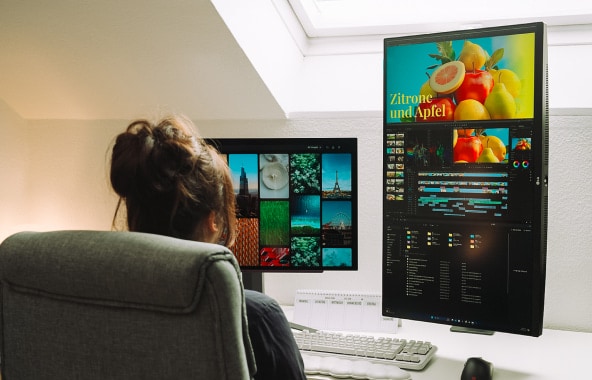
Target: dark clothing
276 353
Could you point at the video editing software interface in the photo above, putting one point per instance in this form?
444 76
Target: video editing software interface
296 202
465 176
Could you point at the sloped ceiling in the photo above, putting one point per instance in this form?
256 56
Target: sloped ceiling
109 59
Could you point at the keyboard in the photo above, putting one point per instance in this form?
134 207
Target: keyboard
405 354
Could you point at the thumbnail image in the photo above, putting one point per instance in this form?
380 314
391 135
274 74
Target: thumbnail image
522 143
337 173
305 173
337 223
246 245
274 176
484 146
394 197
274 223
275 257
306 252
337 257
244 169
306 215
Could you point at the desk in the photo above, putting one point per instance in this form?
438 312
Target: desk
554 355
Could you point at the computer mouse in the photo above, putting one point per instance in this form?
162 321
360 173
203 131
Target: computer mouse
477 369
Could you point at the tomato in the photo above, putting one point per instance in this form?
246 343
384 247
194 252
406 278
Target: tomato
467 149
438 109
476 85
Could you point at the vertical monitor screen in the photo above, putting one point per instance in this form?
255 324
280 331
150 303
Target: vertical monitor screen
465 178
296 202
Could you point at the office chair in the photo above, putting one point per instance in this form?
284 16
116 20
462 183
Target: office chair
120 305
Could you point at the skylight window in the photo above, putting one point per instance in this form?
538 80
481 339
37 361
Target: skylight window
333 18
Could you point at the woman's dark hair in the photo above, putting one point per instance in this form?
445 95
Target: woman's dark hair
170 181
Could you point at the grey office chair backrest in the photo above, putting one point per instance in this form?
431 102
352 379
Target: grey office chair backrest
120 305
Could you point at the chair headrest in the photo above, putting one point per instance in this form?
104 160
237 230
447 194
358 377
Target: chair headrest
146 269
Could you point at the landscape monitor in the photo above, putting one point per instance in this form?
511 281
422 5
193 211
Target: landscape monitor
465 173
297 202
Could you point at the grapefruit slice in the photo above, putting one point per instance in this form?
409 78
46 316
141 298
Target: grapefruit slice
448 77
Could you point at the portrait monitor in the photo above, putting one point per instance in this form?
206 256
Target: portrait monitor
465 178
296 204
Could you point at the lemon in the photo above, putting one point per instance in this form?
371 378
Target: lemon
426 90
509 78
471 109
448 77
472 56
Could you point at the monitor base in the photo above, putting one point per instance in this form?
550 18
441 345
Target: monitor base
469 330
253 280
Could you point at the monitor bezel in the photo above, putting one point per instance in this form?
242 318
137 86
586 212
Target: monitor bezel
540 149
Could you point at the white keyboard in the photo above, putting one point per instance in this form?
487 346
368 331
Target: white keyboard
411 355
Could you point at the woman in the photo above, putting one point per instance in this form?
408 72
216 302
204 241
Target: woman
171 182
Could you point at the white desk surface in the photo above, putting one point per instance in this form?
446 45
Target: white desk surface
555 355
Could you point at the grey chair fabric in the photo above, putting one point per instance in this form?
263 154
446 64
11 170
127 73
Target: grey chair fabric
120 305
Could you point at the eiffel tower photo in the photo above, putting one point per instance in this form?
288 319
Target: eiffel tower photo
336 189
337 192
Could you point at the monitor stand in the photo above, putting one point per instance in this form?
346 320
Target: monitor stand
253 280
470 330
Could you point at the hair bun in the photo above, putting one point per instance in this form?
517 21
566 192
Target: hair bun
147 159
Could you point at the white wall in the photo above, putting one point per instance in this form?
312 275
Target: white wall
53 174
569 259
68 179
13 170
66 187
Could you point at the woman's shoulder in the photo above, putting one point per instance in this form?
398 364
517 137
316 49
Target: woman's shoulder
261 308
260 300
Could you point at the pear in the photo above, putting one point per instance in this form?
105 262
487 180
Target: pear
508 78
472 56
496 144
487 156
500 103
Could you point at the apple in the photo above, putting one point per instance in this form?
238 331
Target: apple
465 132
436 109
467 149
476 85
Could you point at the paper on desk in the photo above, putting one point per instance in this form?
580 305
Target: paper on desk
342 311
